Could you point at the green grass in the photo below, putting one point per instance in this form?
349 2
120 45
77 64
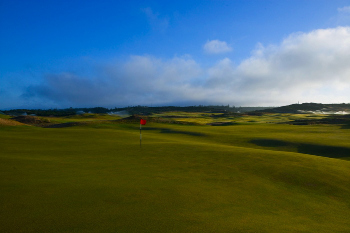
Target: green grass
207 118
2 116
240 178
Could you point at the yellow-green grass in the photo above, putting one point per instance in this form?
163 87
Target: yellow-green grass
96 178
208 118
6 121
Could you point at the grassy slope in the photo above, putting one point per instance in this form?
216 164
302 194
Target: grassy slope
183 179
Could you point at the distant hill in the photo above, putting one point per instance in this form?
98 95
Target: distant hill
145 110
140 110
311 108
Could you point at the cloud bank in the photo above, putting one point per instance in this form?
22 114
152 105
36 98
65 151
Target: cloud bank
305 67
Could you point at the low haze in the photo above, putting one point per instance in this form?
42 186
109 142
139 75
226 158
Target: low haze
58 54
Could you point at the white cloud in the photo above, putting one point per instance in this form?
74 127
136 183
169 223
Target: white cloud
342 18
216 47
306 67
345 9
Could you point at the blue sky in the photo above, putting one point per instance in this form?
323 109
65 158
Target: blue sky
58 54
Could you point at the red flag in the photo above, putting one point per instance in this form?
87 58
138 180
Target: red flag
142 122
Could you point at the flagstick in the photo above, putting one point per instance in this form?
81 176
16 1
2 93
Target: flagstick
140 135
142 122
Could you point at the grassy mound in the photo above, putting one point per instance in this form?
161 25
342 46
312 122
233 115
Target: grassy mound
32 120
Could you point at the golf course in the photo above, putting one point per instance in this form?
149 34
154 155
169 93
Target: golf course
194 172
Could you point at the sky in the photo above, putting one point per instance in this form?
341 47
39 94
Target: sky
100 53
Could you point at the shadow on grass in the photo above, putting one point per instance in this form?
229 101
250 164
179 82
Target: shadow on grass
347 126
166 130
312 149
325 151
269 142
222 123
181 132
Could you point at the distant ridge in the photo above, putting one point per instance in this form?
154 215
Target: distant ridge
318 108
131 110
311 108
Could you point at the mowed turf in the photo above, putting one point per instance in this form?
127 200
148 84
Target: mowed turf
243 178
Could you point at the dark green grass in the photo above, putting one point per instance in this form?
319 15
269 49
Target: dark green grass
96 178
2 116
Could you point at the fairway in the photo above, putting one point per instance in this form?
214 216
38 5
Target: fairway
248 177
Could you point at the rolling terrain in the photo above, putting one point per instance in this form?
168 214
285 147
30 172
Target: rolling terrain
256 174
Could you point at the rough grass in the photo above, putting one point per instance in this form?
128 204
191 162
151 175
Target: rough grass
210 118
96 178
8 122
84 117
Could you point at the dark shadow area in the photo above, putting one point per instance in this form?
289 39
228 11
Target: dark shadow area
347 126
325 151
312 149
222 123
147 128
64 125
181 132
343 120
166 130
269 142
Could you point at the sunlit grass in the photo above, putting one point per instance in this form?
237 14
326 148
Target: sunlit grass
209 118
